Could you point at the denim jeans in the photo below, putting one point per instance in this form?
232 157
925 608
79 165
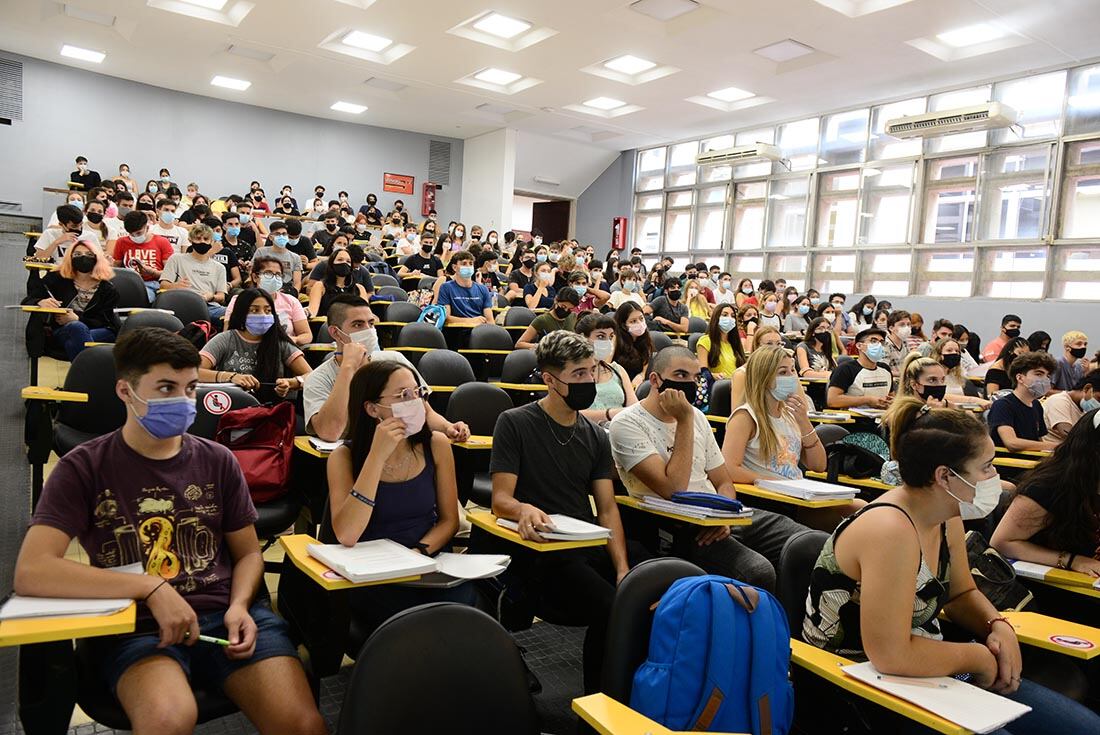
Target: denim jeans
1051 712
217 311
73 335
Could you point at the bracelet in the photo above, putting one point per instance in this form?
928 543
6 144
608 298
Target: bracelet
811 431
989 623
162 583
607 414
1069 562
1061 563
362 498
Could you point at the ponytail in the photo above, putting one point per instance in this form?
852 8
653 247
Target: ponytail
911 370
924 438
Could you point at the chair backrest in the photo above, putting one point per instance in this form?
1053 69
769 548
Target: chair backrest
384 279
131 289
697 325
445 367
426 283
213 401
187 305
93 372
518 367
643 389
830 433
402 311
490 337
419 334
796 562
693 340
660 340
393 293
140 319
518 316
720 398
631 620
413 675
478 404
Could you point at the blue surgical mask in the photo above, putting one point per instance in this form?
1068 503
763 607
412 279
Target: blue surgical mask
232 231
217 237
280 240
466 271
166 417
726 323
167 217
785 387
1089 404
271 283
245 218
803 309
867 310
629 286
875 352
541 257
258 324
581 290
815 300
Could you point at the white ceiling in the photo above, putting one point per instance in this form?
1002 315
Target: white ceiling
860 60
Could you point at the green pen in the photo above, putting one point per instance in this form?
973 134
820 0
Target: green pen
216 641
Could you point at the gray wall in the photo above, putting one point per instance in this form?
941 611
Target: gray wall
220 145
610 195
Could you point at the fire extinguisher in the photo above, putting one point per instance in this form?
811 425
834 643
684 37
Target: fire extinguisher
618 233
427 199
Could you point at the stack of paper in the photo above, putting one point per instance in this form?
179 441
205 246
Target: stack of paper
323 446
808 489
693 511
564 528
955 701
1031 570
372 561
871 413
64 607
827 415
454 569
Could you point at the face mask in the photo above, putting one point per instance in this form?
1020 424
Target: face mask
838 305
987 494
603 349
245 218
79 204
84 263
747 290
867 310
94 217
555 257
951 361
1077 353
492 241
785 387
829 317
751 320
804 309
124 172
1039 387
726 323
1089 404
674 294
546 277
541 257
202 248
342 269
258 324
411 413
153 189
1012 333
875 351
217 237
561 311
692 293
165 178
581 289
689 388
371 201
232 231
271 282
167 217
280 241
904 332
637 329
815 300
792 297
139 237
770 307
123 211
460 234
166 417
466 271
538 241
933 391
824 339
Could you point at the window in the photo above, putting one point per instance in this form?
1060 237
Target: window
790 267
883 146
749 137
886 202
1081 190
1077 272
1083 103
835 272
748 215
651 169
844 138
1038 101
945 273
887 273
798 142
709 174
836 210
748 266
787 212
677 230
681 164
949 199
951 101
1014 274
680 198
1014 187
647 232
710 219
649 202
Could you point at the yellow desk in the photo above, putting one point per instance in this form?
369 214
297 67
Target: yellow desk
42 393
472 351
295 547
1033 453
611 717
42 310
442 388
525 387
1065 579
1060 636
758 492
869 483
37 265
476 442
810 381
301 443
1018 463
486 521
45 630
32 233
319 347
723 420
629 502
828 666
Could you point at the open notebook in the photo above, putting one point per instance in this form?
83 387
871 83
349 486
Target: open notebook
807 489
564 528
19 607
382 559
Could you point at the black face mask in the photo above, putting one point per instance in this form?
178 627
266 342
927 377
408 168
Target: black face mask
372 202
94 217
84 263
689 388
933 391
1012 333
145 207
427 246
823 338
528 263
952 361
342 269
674 295
331 227
1078 352
580 396
202 248
752 320
561 311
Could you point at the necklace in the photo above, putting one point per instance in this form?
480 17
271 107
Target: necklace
553 433
391 469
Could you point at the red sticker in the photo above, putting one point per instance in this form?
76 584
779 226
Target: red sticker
217 402
1070 641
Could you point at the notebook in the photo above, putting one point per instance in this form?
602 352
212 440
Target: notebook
1031 570
871 413
454 569
826 415
564 528
19 607
956 701
691 510
372 561
807 489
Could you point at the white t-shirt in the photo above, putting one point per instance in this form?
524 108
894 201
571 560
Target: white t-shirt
637 434
620 297
49 235
175 235
724 298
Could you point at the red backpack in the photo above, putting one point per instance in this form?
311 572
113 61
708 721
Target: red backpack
262 439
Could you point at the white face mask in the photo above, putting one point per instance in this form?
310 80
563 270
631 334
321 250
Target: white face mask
604 349
829 316
904 332
367 337
987 494
411 413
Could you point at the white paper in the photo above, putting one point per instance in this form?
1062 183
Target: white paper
695 511
1031 570
564 528
372 561
956 701
807 489
323 446
60 607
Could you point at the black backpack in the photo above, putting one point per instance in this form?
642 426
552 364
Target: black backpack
860 455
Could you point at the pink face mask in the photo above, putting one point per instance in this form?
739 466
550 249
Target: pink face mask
411 413
637 329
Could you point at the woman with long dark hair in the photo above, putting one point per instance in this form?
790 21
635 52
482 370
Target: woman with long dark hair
720 349
863 313
633 345
997 377
815 356
339 279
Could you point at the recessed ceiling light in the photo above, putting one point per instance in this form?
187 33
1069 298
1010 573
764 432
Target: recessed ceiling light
604 103
385 84
730 94
629 64
366 41
349 107
784 50
250 53
211 4
91 16
971 35
664 9
497 76
230 83
83 54
501 26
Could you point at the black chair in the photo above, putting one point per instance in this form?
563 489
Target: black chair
490 338
796 562
643 389
519 367
131 289
693 340
150 318
420 337
92 372
444 369
393 293
384 279
660 340
478 405
720 398
187 305
697 325
413 675
426 283
518 316
402 311
830 433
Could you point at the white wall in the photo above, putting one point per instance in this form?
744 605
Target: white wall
610 195
488 171
574 165
523 212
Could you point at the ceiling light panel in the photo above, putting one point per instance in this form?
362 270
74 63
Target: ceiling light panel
629 64
968 41
225 12
629 69
664 10
91 16
497 76
859 8
730 94
502 31
604 103
208 4
83 54
785 50
501 26
606 107
230 83
363 45
497 80
971 35
366 41
349 107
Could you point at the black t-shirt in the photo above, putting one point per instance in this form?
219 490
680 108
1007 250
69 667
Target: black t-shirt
429 266
552 477
519 277
373 215
249 236
243 250
227 258
360 275
1087 542
324 238
88 180
490 280
1026 420
999 378
303 246
278 211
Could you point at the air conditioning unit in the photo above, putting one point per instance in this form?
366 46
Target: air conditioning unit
989 116
741 154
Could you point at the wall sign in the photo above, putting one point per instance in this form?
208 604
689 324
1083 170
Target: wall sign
398 183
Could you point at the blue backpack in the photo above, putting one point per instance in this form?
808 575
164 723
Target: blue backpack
433 314
719 653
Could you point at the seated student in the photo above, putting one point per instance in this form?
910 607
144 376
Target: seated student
1016 420
254 351
292 262
886 573
786 442
815 354
898 332
719 350
194 270
667 312
56 239
613 389
1010 329
488 272
763 337
748 319
924 379
865 381
166 226
118 494
948 353
393 478
233 245
80 283
562 316
520 276
696 300
338 281
798 317
663 445
1072 364
1054 519
406 243
590 298
1039 341
226 256
423 263
746 293
633 345
539 293
725 294
548 458
1064 409
467 303
627 289
267 274
301 245
144 253
770 317
325 393
997 374
941 329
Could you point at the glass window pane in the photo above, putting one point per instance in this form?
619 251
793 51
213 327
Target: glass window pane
844 138
1077 272
709 174
680 198
1081 190
798 141
651 183
949 262
718 143
677 231
951 101
647 232
787 212
1015 261
759 135
884 213
710 227
748 215
1013 193
1014 289
837 211
651 160
949 200
889 288
650 201
749 137
682 178
836 285
780 264
683 154
747 265
713 195
888 262
1083 104
959 289
835 263
1038 101
883 146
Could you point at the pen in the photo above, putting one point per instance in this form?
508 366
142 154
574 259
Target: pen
223 642
896 680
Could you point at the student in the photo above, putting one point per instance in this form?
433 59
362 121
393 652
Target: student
226 256
55 240
633 345
797 319
748 320
144 253
1054 519
1010 329
667 312
394 478
81 284
338 281
562 316
924 379
814 355
521 275
325 393
881 318
1072 364
85 177
663 445
865 381
770 316
467 304
194 270
613 389
252 228
423 263
590 298
746 294
292 263
941 329
898 330
232 243
720 350
725 293
1039 341
137 481
1016 420
763 337
254 351
301 245
165 226
548 458
540 292
1064 409
948 352
267 274
627 289
997 374
488 272
696 300
95 227
124 177
886 573
861 316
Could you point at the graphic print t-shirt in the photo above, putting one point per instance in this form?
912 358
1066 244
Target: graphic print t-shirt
170 515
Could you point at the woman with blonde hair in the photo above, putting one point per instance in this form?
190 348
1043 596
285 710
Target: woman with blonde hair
948 352
924 379
697 303
763 337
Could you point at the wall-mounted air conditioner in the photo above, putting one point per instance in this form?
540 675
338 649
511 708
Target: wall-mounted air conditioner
989 116
740 154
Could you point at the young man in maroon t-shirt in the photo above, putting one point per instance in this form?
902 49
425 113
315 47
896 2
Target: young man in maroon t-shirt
142 252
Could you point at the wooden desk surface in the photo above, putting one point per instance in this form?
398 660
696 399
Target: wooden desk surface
1033 453
611 717
1019 463
486 521
301 443
42 310
476 442
525 387
45 630
631 502
295 547
42 393
1061 636
37 265
758 492
869 482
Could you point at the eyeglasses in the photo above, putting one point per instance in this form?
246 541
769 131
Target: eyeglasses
408 394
